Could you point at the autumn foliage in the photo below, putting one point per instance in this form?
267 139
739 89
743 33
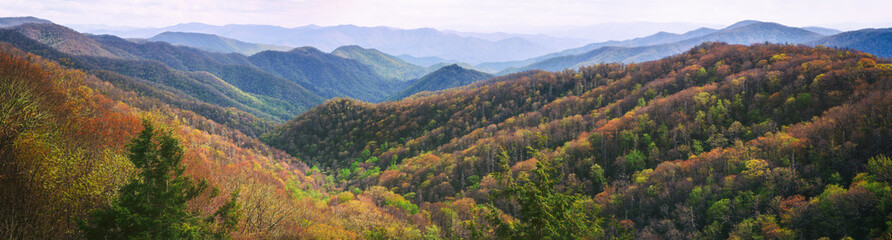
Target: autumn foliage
64 153
722 141
705 144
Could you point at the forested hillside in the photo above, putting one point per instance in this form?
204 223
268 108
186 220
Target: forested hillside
721 141
447 77
65 141
103 137
326 74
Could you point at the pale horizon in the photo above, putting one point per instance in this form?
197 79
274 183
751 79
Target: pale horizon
483 16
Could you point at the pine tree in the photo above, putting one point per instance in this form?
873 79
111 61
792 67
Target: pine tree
152 205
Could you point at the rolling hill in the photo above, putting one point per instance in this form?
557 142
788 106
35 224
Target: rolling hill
214 43
450 76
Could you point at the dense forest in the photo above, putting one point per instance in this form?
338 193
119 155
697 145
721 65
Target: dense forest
102 137
722 141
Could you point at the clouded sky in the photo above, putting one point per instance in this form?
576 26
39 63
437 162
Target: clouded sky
476 15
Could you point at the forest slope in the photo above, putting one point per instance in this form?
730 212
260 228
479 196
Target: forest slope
719 141
63 140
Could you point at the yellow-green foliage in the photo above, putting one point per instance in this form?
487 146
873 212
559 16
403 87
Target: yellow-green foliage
54 142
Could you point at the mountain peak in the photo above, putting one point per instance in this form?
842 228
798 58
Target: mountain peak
175 33
349 48
306 50
449 76
451 66
743 23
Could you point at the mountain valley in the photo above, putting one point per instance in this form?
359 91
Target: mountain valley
757 130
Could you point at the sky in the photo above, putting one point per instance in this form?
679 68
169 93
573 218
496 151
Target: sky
517 16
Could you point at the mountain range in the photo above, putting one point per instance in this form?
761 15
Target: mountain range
424 42
665 44
271 85
430 46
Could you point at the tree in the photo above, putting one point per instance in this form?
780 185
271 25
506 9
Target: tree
881 167
152 205
635 160
545 213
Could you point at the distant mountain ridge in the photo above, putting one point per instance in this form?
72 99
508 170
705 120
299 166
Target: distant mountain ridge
657 38
823 31
873 41
214 43
424 61
383 64
655 47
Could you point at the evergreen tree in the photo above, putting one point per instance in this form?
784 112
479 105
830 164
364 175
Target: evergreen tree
544 213
153 204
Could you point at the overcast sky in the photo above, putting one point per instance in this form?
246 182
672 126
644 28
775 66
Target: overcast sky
466 15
